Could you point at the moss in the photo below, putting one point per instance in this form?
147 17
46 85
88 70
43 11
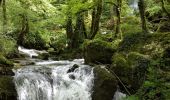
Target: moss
43 56
119 60
131 69
104 37
105 84
67 54
4 61
98 51
7 88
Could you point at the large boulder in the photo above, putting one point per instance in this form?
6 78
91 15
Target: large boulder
105 84
7 88
131 69
98 51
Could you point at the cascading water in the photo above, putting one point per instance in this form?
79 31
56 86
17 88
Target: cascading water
55 80
52 81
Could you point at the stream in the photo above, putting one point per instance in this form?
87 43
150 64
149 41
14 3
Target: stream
54 80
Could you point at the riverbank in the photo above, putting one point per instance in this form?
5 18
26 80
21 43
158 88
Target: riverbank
135 64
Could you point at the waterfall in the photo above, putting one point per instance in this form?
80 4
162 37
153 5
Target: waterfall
134 4
50 80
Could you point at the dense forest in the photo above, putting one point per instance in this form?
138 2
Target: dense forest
126 43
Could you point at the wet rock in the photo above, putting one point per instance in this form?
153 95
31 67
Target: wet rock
6 71
71 76
7 88
105 84
43 56
75 66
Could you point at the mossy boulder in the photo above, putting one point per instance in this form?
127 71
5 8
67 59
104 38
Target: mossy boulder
5 66
98 51
131 69
4 61
105 84
7 88
43 56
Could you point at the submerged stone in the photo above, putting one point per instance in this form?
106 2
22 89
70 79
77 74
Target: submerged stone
75 66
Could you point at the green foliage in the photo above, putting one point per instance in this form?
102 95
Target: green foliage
132 97
59 43
35 41
7 45
130 25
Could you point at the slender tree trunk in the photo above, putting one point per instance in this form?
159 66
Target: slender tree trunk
141 5
96 15
69 31
79 32
4 16
24 30
164 9
118 33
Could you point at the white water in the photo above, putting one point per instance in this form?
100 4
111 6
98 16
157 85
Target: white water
50 81
30 52
119 95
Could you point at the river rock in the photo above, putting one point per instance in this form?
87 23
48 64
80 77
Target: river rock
43 56
105 84
73 68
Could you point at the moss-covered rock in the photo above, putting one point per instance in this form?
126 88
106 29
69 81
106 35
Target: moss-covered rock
98 51
105 84
43 56
7 88
131 69
4 61
5 66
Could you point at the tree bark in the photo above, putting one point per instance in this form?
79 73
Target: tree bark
118 33
24 30
141 5
96 15
80 31
69 31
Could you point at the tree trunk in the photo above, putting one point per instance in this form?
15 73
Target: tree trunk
24 30
164 9
79 32
141 5
118 33
69 31
96 14
4 16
